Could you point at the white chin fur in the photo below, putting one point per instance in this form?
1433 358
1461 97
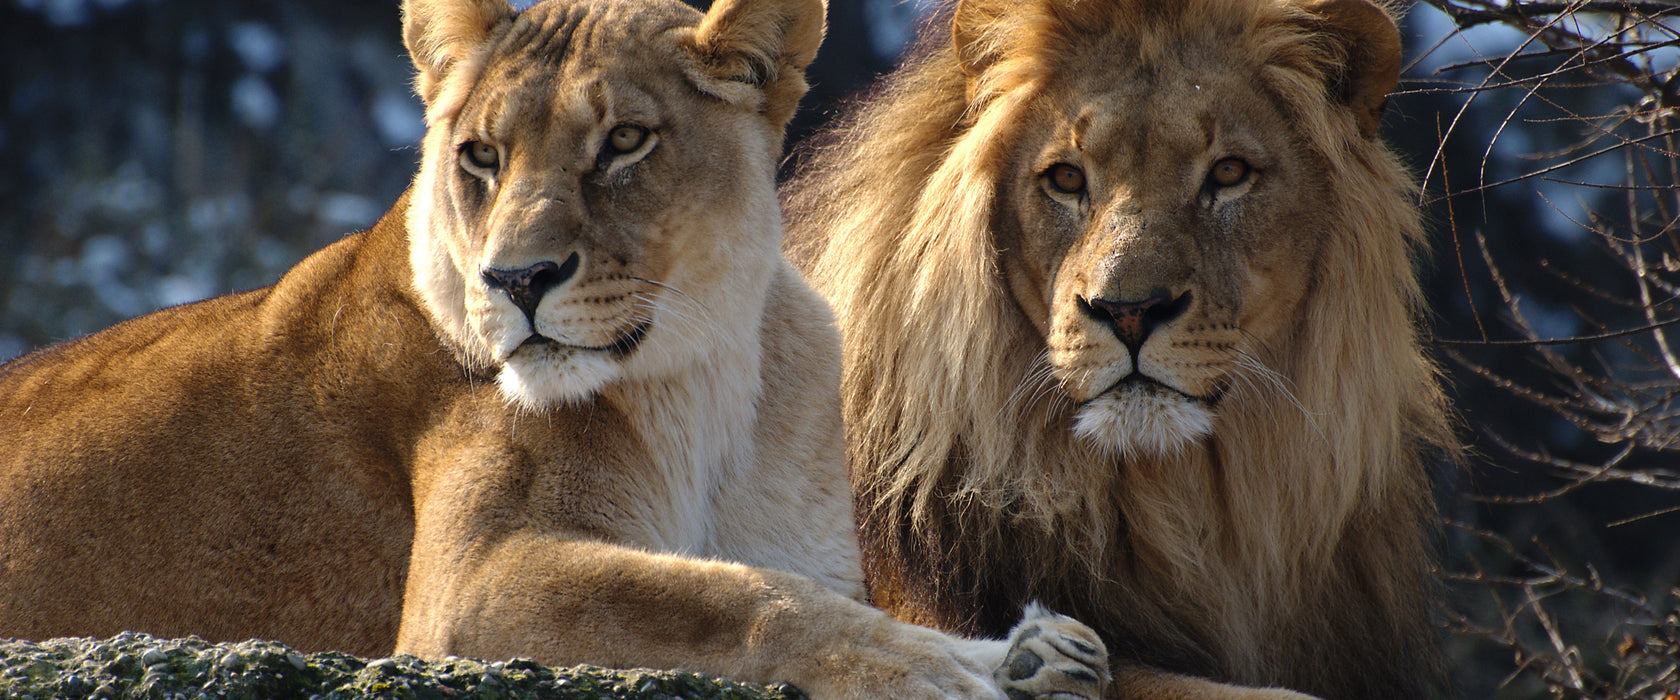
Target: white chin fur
1141 421
537 383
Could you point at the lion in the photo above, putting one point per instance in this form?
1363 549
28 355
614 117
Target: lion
566 400
1131 326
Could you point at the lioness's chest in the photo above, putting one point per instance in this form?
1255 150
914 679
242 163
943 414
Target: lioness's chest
582 469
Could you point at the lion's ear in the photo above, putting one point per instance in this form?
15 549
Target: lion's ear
1370 42
747 46
441 33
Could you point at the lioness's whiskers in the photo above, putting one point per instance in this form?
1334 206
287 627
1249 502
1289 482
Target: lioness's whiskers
672 318
674 302
663 285
691 317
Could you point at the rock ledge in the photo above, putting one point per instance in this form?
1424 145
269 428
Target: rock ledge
133 665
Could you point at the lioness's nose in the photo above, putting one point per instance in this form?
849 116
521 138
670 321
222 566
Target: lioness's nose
527 286
1134 321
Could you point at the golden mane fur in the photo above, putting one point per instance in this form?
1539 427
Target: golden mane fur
1295 536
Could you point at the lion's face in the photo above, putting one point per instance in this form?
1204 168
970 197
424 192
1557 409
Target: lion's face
1158 228
587 209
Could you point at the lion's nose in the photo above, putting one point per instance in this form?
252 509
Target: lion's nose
1134 321
527 286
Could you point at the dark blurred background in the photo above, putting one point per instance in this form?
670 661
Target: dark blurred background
158 152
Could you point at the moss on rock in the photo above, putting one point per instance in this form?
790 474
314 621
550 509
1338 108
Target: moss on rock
141 666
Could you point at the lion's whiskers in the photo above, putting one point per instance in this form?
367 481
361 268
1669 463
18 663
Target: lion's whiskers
1037 384
1252 373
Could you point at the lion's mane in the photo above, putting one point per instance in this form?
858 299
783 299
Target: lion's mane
1296 539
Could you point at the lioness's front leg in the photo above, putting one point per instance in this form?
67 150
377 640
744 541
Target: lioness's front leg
567 601
501 567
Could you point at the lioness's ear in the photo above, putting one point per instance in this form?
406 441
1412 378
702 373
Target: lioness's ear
441 33
744 46
1370 42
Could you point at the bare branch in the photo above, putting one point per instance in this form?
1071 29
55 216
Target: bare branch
1531 342
1593 87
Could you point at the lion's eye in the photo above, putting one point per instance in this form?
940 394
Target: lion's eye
482 155
1065 178
626 139
1229 172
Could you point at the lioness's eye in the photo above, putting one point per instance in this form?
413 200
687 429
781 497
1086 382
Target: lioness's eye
626 139
481 154
1065 178
1229 172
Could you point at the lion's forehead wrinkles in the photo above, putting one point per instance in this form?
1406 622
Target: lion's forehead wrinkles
1132 150
1081 125
1210 129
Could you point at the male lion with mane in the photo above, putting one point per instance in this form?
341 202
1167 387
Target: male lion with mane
1129 314
566 400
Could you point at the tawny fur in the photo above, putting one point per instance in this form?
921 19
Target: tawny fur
1283 542
381 453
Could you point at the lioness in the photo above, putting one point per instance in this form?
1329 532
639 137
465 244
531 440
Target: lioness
1131 327
542 408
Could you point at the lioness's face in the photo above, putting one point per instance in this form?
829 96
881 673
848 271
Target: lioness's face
1159 231
591 212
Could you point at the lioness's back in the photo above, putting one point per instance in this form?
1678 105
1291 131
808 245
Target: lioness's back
212 417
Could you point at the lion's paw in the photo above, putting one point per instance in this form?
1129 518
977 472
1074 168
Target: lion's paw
1052 657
